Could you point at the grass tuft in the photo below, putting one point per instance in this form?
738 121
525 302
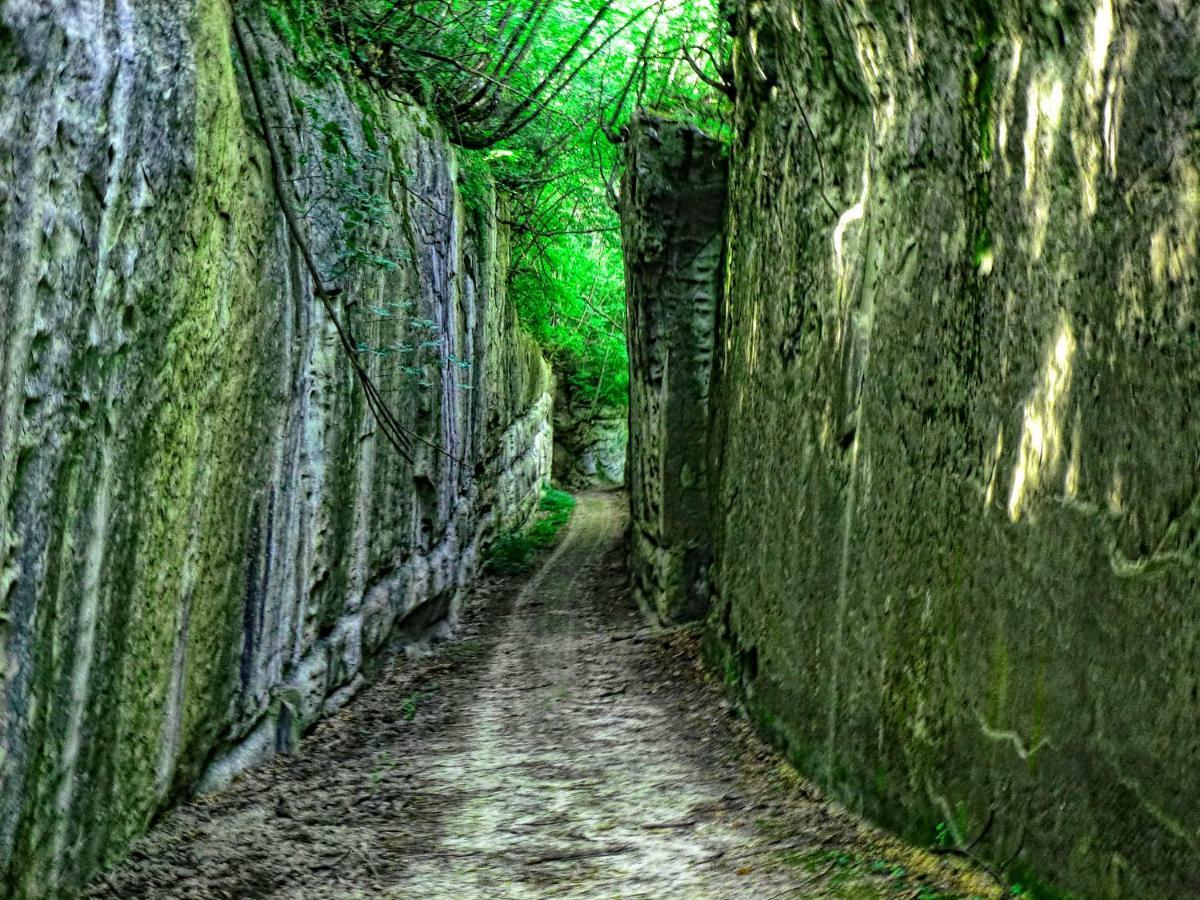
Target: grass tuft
517 553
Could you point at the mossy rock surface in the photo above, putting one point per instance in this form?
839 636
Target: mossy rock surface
958 499
203 543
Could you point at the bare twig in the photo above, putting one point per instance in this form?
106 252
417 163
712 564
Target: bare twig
805 883
726 89
669 826
579 854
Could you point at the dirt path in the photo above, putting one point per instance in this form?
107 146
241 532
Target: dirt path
553 751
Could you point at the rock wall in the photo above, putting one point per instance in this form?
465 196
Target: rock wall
204 546
959 504
672 220
590 441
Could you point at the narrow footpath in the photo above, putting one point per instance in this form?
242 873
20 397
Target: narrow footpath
555 749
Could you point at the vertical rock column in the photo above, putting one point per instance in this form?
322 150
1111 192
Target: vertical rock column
672 217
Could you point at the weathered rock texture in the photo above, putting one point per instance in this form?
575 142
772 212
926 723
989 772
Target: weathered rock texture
202 547
960 492
672 219
590 441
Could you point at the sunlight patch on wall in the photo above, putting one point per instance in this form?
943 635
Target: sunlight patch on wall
855 213
1007 102
915 60
1041 439
1044 108
1071 482
1159 251
1174 244
869 56
752 46
752 354
1102 35
997 455
1131 288
873 54
1043 113
870 48
1089 135
754 314
1116 493
885 118
727 280
1114 102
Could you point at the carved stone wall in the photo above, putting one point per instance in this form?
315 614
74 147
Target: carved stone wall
959 507
673 216
204 546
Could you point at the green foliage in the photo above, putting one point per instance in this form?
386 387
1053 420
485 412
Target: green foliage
570 293
412 704
514 554
557 503
561 176
943 837
536 92
475 184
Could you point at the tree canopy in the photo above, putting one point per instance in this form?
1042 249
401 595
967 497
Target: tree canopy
536 92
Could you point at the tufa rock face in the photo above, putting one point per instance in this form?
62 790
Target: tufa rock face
959 505
672 220
590 442
203 549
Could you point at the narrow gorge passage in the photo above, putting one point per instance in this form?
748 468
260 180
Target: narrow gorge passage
555 749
